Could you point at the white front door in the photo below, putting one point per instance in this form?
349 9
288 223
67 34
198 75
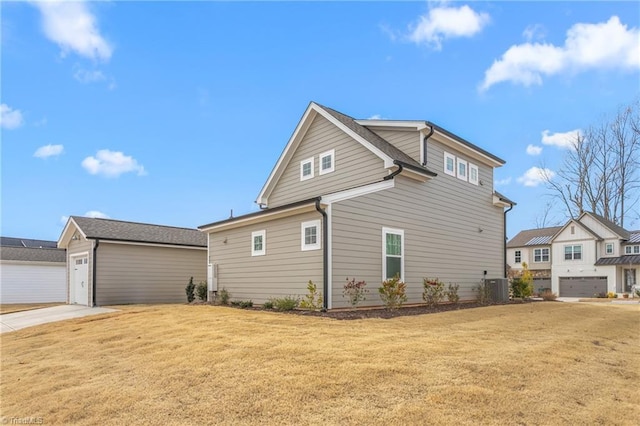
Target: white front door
80 280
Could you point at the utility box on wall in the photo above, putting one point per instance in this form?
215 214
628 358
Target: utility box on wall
499 289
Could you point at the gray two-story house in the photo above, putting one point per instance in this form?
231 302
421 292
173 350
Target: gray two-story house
369 199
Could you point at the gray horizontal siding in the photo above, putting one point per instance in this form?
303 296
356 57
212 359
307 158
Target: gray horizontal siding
146 274
354 165
441 220
284 270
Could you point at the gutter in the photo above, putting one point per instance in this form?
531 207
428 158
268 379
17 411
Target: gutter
396 173
93 280
424 146
504 242
325 256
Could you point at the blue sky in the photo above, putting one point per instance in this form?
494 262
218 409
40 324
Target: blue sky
175 113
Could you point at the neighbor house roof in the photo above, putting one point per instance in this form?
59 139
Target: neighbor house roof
622 260
32 254
117 230
25 242
617 229
534 237
634 237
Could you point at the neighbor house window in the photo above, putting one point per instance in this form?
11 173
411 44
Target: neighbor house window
310 235
462 169
608 248
573 252
449 164
327 162
636 250
392 253
306 169
518 256
259 243
541 255
627 250
474 177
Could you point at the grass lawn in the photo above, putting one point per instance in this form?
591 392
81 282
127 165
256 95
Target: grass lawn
18 307
535 363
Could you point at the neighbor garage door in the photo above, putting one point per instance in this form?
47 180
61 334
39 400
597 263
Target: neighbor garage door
582 286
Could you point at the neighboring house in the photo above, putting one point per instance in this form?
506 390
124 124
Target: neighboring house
31 271
588 255
115 262
533 247
368 199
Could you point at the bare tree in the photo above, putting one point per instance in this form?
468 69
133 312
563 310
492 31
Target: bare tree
600 172
546 218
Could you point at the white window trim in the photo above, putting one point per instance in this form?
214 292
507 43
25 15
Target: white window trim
303 227
628 250
459 162
452 157
573 252
517 254
400 232
606 247
262 234
302 163
541 255
473 167
331 153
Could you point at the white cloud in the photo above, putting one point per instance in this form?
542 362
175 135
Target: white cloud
10 118
532 32
96 214
88 76
448 22
502 182
535 176
565 140
534 150
73 27
112 164
375 117
64 219
48 151
587 46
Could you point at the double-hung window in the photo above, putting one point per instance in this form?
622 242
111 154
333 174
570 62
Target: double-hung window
541 255
474 177
449 164
518 257
327 162
573 252
462 169
259 243
306 169
310 235
392 253
608 248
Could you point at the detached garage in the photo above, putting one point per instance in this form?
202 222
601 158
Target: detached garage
112 262
582 286
32 274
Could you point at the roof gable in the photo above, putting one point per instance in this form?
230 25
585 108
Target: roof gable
579 224
616 229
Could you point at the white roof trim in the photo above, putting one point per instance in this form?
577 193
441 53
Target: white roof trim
132 243
391 124
254 219
358 192
301 129
65 237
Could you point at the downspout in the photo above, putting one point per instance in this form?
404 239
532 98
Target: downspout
424 146
93 280
325 255
504 243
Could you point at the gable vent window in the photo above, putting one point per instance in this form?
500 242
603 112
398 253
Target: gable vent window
327 162
306 169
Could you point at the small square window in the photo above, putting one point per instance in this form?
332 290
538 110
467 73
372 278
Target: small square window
306 169
518 256
474 177
310 235
609 248
327 162
462 169
449 164
258 243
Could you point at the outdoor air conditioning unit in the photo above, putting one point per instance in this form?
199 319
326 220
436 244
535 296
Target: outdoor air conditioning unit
498 289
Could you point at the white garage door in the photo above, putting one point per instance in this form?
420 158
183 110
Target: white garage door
27 283
582 286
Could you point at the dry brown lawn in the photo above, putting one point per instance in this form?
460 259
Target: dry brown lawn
18 307
544 363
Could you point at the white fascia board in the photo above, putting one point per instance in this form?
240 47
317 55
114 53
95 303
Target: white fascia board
499 203
394 124
358 192
287 153
68 232
266 216
131 243
451 142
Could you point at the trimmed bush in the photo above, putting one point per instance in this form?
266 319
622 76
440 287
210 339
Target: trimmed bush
313 300
393 293
433 292
242 304
452 293
201 291
190 289
287 303
548 295
355 291
223 297
267 305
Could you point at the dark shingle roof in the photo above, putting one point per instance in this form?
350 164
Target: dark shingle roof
377 141
533 237
612 226
28 254
116 230
25 242
622 260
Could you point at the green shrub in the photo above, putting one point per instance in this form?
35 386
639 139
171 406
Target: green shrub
612 295
267 305
548 295
223 296
393 293
433 291
483 293
242 304
521 288
201 290
452 293
287 303
355 291
313 300
189 289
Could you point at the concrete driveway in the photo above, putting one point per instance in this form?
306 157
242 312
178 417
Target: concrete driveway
24 319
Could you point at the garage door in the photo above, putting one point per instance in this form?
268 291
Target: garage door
32 283
582 286
540 283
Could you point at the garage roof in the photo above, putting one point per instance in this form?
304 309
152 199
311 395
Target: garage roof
31 254
622 260
25 242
